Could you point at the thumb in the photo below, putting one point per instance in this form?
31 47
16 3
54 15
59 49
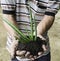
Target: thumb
13 53
40 36
44 47
13 48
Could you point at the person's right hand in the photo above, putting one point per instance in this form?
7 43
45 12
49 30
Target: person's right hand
14 52
23 53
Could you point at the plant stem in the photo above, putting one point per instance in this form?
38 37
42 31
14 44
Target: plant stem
31 19
35 28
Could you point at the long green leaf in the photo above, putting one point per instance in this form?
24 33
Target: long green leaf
35 29
31 19
17 30
28 33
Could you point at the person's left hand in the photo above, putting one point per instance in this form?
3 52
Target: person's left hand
44 47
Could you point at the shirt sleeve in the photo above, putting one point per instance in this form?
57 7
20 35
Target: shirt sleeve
52 7
8 6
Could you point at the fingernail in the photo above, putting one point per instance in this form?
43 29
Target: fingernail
30 56
44 47
35 57
21 52
39 53
27 54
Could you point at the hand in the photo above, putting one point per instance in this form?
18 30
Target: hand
43 46
14 52
24 53
27 53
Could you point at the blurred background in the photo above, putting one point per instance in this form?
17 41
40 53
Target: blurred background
54 35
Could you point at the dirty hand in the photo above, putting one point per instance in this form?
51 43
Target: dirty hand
27 54
44 47
24 53
14 52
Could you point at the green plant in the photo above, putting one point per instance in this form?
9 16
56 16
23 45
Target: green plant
24 38
29 42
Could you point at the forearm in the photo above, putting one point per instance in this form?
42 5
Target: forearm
8 28
45 24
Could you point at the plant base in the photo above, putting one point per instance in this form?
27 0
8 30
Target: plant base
32 46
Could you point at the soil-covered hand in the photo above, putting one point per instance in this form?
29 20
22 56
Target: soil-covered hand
17 52
32 49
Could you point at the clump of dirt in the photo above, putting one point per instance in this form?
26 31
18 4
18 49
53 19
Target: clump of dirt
33 46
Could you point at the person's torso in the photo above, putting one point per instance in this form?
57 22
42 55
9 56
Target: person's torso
23 17
23 13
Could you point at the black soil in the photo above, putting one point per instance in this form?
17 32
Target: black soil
33 46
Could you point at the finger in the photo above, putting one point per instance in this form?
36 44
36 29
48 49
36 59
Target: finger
40 53
27 54
44 47
35 57
12 56
31 56
12 53
20 53
32 59
41 37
